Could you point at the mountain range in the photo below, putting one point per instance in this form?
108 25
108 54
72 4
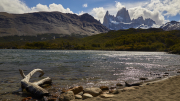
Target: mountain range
32 24
123 21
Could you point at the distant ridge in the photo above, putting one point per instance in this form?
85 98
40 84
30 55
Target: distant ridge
32 24
173 25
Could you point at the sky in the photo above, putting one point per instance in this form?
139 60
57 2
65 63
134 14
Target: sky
161 11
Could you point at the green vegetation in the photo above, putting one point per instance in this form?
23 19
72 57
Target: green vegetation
130 40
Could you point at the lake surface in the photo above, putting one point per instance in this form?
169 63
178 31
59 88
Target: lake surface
86 68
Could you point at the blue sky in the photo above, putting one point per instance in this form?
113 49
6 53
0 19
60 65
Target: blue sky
161 11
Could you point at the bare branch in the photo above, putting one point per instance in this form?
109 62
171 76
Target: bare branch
34 88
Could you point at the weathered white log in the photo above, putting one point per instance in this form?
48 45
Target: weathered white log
34 88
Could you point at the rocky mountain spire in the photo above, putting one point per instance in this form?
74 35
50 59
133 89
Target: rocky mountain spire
106 19
123 15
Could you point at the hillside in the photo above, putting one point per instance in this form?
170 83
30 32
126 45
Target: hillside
121 40
32 24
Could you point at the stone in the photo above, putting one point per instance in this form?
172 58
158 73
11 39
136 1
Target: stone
77 89
115 91
27 99
78 97
86 95
134 84
143 78
104 88
178 71
129 88
166 73
93 91
119 84
107 95
69 95
81 93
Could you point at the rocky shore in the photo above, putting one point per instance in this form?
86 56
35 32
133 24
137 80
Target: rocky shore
167 88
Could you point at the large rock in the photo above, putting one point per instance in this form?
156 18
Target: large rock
104 88
69 96
77 89
93 91
78 97
86 95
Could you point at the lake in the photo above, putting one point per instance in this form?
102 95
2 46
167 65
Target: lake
83 67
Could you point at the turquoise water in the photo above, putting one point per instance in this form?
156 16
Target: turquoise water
86 68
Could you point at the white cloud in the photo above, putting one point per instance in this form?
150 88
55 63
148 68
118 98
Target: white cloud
52 7
119 5
166 7
98 13
145 13
13 6
81 13
85 5
17 6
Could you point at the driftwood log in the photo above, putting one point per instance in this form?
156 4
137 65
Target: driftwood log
34 88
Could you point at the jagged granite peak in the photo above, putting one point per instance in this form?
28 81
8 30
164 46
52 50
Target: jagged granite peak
123 21
108 19
123 15
173 25
32 24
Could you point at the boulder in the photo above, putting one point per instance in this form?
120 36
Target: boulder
69 95
107 95
143 78
134 84
81 93
119 84
86 95
77 89
93 91
78 97
104 88
115 91
166 73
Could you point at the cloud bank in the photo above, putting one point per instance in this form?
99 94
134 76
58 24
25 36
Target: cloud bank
19 7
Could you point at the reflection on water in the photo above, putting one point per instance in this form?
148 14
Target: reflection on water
87 68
